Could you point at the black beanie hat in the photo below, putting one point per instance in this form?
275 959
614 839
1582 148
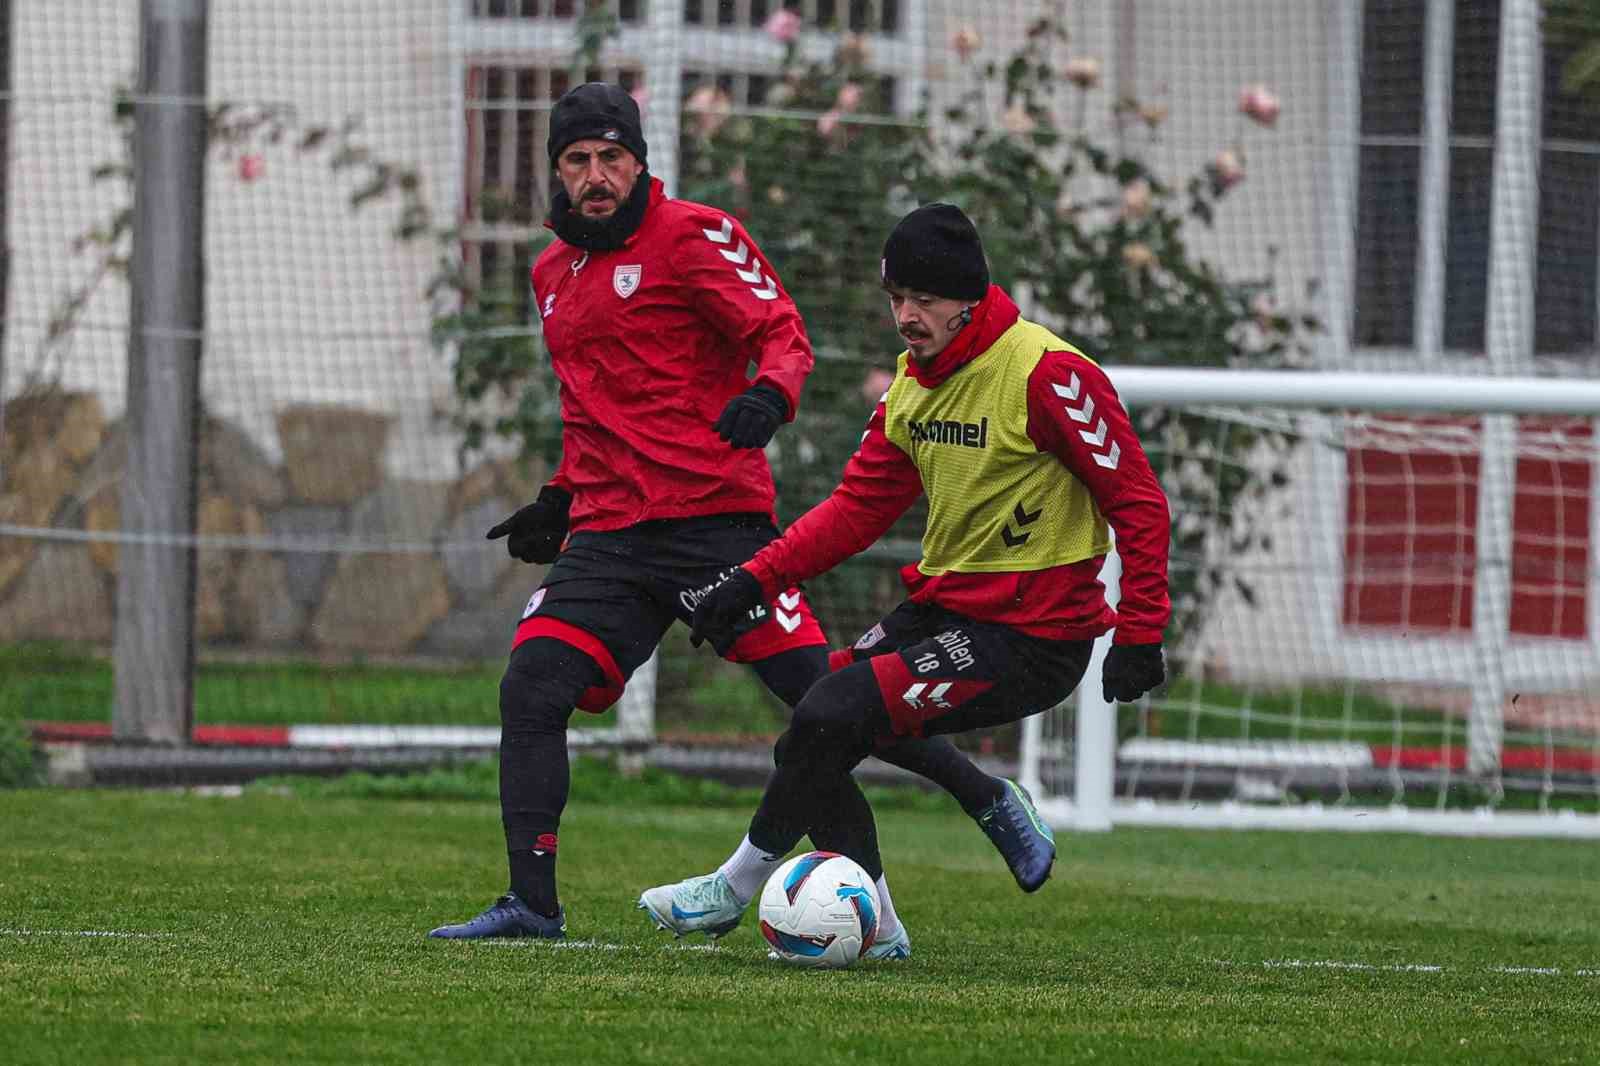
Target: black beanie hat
595 109
935 249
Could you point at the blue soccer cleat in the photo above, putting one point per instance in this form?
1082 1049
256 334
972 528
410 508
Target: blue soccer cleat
704 904
1014 827
507 916
896 947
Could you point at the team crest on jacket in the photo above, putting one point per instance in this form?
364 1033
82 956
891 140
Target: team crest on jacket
626 279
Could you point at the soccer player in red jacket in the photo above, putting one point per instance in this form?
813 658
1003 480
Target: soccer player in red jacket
1028 461
653 309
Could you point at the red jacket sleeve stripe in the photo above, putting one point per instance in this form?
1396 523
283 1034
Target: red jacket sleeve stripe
1076 415
737 291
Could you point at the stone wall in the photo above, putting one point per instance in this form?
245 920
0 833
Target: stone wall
338 559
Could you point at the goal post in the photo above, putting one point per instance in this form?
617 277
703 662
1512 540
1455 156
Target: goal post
1331 662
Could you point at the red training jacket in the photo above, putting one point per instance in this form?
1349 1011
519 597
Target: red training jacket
1061 602
649 342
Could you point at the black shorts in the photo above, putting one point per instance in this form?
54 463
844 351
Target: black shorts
612 595
942 672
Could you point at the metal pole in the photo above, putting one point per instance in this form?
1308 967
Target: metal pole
154 654
1095 744
1513 248
1127 52
663 80
5 180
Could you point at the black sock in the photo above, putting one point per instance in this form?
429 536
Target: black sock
533 879
946 766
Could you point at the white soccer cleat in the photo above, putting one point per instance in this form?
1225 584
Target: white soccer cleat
896 947
704 904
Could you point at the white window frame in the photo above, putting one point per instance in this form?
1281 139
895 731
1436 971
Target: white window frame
1489 655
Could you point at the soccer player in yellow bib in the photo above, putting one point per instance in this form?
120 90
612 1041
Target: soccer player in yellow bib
1028 461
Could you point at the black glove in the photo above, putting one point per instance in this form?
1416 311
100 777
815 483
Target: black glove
536 531
752 417
1130 671
734 606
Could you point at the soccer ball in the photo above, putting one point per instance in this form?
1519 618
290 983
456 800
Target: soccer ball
819 910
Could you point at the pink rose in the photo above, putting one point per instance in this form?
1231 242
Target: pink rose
849 97
1138 256
1153 115
875 384
966 41
251 167
1226 169
1264 308
782 25
711 106
827 122
1017 121
1084 72
1259 103
1136 200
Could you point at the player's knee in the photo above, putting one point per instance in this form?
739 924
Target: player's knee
830 716
541 687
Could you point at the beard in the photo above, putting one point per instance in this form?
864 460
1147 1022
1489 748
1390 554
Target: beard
604 234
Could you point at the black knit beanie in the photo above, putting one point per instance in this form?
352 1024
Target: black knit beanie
935 249
595 109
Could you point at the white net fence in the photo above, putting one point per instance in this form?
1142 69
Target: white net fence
1242 182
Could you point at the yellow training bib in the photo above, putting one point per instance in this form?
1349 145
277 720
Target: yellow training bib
995 502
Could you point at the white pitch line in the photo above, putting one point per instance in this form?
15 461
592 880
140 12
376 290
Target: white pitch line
1411 967
581 945
85 932
545 942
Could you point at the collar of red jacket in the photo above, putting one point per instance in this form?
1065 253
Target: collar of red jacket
658 193
991 316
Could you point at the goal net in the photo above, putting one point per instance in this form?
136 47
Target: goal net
1383 618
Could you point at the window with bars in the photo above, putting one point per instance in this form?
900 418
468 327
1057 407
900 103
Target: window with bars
506 179
858 16
506 192
1393 142
747 89
626 10
1410 551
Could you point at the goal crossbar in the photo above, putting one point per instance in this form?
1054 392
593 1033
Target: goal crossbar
1366 391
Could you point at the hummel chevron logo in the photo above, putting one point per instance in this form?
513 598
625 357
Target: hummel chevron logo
789 602
763 287
1022 518
913 695
1084 415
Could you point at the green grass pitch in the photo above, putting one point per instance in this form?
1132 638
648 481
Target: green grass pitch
142 927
